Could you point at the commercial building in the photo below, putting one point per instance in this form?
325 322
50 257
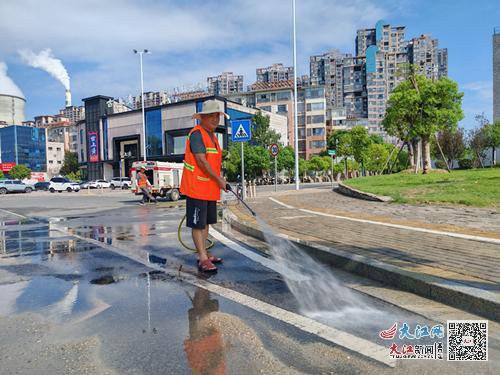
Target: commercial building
224 84
24 145
496 74
109 143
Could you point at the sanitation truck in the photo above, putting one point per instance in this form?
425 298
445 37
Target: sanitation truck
165 178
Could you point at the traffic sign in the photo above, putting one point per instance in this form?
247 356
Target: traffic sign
241 130
332 152
274 149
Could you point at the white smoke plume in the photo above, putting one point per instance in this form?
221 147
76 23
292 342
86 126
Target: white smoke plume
45 60
7 85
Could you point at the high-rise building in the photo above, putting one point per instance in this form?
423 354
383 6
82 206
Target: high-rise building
424 53
496 74
151 99
275 72
328 70
224 84
360 85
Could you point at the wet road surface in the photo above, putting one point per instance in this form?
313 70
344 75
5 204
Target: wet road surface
114 292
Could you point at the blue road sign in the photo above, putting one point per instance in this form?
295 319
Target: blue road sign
241 130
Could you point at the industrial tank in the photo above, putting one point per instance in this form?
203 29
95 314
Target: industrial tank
12 109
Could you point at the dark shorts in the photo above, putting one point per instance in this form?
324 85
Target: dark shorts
200 213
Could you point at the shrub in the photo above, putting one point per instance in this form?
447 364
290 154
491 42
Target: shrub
440 164
465 163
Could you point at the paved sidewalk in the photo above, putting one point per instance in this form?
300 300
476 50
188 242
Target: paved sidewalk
465 265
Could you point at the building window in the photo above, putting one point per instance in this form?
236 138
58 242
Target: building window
317 144
50 148
283 96
282 108
266 108
318 131
51 162
58 149
316 119
154 145
315 106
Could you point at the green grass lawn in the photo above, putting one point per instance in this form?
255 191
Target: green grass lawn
475 187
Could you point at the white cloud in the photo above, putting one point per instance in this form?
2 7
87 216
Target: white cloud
189 39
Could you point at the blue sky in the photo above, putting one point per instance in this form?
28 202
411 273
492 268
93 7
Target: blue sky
192 39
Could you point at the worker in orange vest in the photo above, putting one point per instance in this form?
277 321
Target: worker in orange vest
201 179
144 184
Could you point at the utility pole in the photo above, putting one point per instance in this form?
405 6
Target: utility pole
295 116
144 141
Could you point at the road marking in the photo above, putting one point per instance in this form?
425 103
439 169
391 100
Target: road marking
361 346
13 213
353 343
398 226
266 262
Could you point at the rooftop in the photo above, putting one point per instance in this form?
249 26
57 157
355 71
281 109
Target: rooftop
262 86
496 30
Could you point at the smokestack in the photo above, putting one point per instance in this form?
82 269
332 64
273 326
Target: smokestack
68 98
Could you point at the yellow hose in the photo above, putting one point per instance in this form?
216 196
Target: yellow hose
179 237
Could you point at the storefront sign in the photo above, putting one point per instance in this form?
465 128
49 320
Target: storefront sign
6 167
93 147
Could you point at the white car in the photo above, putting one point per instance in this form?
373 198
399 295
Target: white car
61 184
120 182
102 184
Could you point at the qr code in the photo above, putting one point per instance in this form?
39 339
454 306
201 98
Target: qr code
467 340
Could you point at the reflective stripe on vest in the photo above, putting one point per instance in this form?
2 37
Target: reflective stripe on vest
195 183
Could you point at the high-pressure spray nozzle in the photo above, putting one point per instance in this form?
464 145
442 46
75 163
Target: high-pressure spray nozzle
228 188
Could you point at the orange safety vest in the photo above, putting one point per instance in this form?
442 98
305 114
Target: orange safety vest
143 180
196 184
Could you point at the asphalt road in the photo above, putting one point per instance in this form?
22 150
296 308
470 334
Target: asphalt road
94 283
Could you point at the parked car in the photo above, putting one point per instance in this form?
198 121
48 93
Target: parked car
120 182
88 185
102 184
14 186
43 186
61 184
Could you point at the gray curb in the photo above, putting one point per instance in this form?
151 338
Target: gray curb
354 193
477 301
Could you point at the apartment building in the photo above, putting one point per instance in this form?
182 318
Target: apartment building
275 72
224 84
151 99
73 113
425 54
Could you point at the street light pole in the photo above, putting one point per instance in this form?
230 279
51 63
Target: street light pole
144 141
295 116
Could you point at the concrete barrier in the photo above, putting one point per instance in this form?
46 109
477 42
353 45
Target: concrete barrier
354 193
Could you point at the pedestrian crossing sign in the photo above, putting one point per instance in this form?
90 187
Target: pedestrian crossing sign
241 130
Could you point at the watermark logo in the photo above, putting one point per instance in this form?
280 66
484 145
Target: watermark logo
388 334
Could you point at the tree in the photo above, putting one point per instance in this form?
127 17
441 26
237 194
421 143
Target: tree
375 138
70 164
377 156
452 144
1 175
420 107
286 160
262 134
492 135
257 160
74 176
360 140
477 145
20 172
